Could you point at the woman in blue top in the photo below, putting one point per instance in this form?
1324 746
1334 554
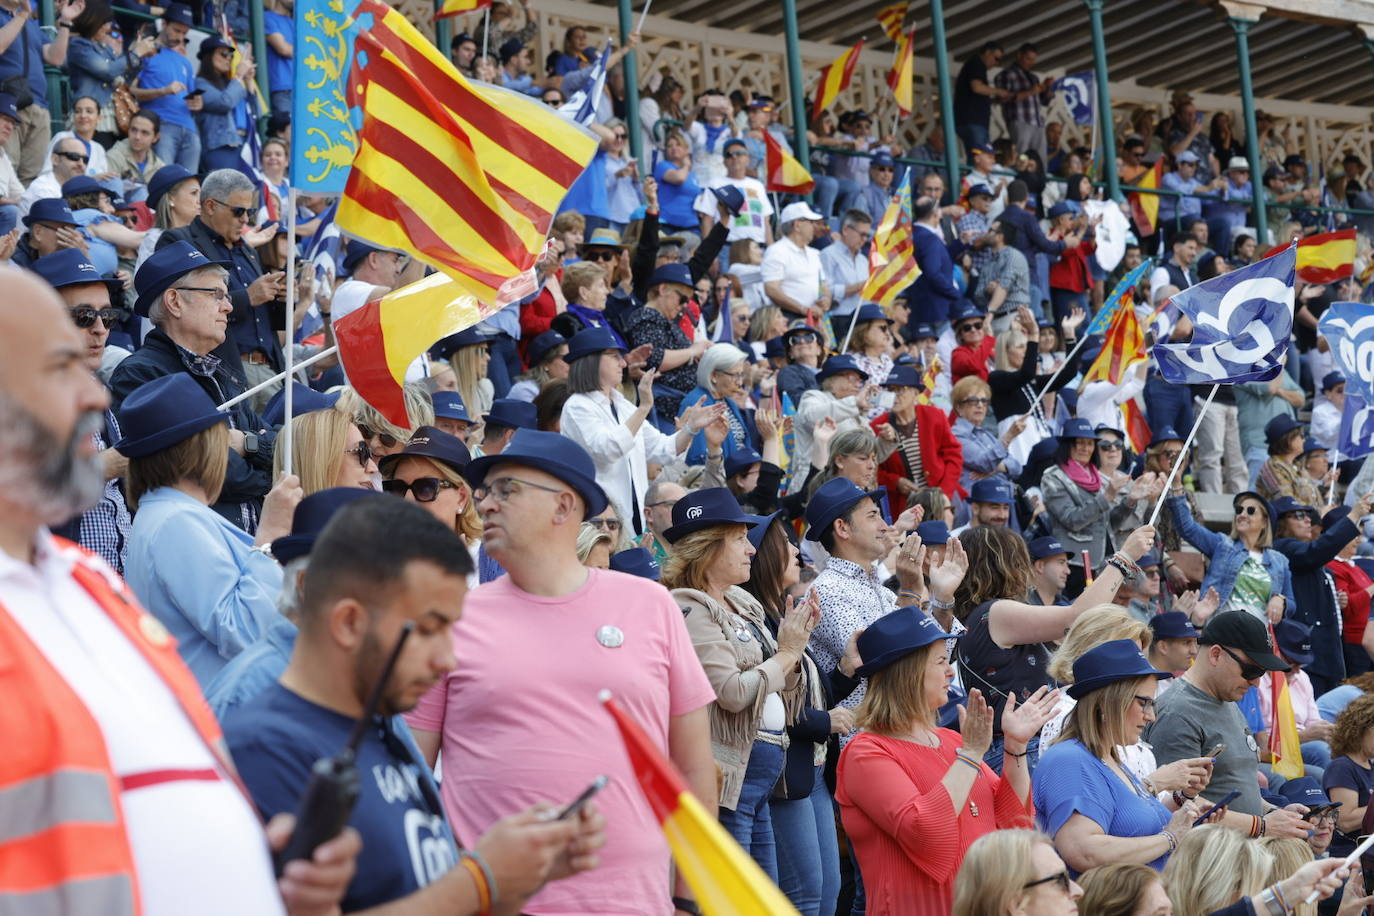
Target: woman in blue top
203 577
97 61
722 375
1246 572
1094 808
677 188
223 120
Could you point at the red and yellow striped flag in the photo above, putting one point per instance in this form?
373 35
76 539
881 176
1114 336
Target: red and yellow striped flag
782 171
899 77
1324 258
928 379
891 19
464 176
726 881
1145 207
1284 746
892 258
459 7
1122 347
835 78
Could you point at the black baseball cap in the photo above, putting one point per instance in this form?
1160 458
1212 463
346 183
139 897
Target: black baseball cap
1244 632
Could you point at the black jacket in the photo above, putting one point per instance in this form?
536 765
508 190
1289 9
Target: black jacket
1314 596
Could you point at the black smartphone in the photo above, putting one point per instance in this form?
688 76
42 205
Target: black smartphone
1230 797
147 31
597 785
195 92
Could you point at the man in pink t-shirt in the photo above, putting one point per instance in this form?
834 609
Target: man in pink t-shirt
519 719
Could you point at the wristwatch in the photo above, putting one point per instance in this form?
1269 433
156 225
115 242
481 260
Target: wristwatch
250 444
686 906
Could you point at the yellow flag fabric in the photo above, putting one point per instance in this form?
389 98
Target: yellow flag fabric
835 78
1284 746
899 77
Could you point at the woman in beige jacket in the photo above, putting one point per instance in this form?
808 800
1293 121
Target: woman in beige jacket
757 679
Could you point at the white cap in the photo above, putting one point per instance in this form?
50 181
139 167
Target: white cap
799 210
1238 164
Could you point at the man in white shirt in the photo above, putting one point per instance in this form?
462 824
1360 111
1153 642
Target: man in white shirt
372 272
1326 413
751 222
93 667
69 159
792 276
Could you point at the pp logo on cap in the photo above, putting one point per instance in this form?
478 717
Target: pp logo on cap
694 512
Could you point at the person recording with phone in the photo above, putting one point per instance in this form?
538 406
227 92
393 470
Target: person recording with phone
161 88
379 566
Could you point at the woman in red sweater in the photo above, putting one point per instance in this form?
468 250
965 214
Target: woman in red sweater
1355 585
926 454
914 797
1070 276
974 345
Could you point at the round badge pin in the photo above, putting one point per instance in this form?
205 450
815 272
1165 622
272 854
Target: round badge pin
153 631
610 637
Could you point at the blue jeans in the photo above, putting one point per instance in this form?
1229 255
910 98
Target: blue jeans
221 157
972 135
807 851
504 365
1168 405
751 823
180 145
826 190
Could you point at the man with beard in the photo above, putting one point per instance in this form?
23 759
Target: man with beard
107 738
381 566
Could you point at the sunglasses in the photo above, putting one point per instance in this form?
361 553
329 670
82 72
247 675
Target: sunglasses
239 212
85 317
1172 454
735 153
1247 510
619 136
601 255
1248 669
553 101
976 401
368 433
426 489
362 451
971 326
1108 445
75 157
1061 879
605 524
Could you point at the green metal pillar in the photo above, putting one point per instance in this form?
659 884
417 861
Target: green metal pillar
1247 106
946 90
1104 100
57 108
260 48
795 83
630 67
443 32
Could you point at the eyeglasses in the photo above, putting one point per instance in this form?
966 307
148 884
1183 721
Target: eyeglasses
976 402
1147 704
618 135
426 489
75 157
970 326
503 488
85 317
553 101
803 338
600 255
239 212
1250 509
362 451
217 294
1248 670
1320 816
1172 454
604 524
383 439
735 153
734 375
662 502
1061 879
1109 445
881 168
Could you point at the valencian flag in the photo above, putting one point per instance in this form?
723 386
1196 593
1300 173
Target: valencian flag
892 257
1122 348
899 77
1126 285
1145 207
726 881
1324 258
835 78
891 19
782 171
459 7
462 175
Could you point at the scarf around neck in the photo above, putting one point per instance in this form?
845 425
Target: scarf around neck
1085 475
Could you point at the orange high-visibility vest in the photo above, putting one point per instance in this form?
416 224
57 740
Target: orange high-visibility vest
63 846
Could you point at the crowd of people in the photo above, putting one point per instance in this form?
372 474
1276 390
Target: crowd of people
883 582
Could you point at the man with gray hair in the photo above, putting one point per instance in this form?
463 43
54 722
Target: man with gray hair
228 203
185 295
69 159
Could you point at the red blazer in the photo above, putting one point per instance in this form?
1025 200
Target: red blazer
968 361
942 457
1071 272
536 316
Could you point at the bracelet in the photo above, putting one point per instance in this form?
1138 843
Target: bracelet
908 593
942 605
479 880
487 875
1278 895
1181 797
1255 826
1013 753
1173 840
1272 901
1263 826
969 760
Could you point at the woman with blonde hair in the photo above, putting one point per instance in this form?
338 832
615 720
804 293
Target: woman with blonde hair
1218 872
757 678
765 324
594 547
429 471
468 354
1014 873
1289 854
1246 571
327 450
381 435
174 198
746 267
1124 889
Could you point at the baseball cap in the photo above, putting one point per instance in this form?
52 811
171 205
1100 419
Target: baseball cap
1243 632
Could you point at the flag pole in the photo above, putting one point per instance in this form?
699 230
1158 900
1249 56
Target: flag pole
1068 358
267 383
1187 443
486 30
853 320
1335 474
642 16
290 353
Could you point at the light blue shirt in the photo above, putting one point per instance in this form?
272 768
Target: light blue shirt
1169 206
198 574
253 670
840 269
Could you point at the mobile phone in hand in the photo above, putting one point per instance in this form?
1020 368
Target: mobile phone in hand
580 802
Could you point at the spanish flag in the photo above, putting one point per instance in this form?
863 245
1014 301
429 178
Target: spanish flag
928 381
725 880
1324 258
782 171
892 257
1284 746
899 77
459 7
835 78
1145 207
891 19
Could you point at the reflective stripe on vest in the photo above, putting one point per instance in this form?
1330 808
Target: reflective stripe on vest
47 802
109 896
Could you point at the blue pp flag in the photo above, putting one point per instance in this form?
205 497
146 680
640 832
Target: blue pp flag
1349 328
581 107
324 135
1241 325
1080 95
1357 427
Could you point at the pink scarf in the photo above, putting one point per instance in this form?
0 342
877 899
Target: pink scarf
1085 475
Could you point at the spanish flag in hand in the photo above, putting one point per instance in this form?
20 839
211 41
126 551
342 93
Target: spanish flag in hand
459 7
781 170
1324 258
835 78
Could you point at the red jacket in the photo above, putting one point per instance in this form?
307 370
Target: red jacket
967 361
1071 271
536 316
942 457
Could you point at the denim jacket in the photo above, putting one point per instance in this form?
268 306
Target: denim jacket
93 69
1228 555
217 120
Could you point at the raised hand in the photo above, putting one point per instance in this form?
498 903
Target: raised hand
1139 542
646 388
1022 723
945 578
975 724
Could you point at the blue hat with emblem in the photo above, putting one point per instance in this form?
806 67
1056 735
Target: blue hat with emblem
163 268
1310 445
82 184
1329 381
1118 660
741 460
1172 625
1047 546
50 210
671 273
513 413
1287 505
164 179
704 509
832 499
1305 791
8 107
552 453
450 406
963 310
1061 209
980 190
995 489
894 636
934 533
844 362
1294 640
637 561
71 267
903 375
543 345
303 400
445 347
312 514
158 414
1165 434
1077 428
591 342
923 331
882 160
432 443
179 13
731 197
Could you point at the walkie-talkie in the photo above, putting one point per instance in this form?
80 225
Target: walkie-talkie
330 796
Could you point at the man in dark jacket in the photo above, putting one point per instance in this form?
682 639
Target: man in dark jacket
1030 240
1313 591
934 292
185 296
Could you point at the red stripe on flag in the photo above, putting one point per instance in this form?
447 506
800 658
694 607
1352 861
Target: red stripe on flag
362 350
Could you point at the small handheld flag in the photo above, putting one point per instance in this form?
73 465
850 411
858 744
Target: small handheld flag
899 77
1145 207
782 171
1349 329
1324 258
459 7
835 78
1080 95
1128 283
891 19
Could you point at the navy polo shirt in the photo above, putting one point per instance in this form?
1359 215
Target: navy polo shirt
162 69
12 61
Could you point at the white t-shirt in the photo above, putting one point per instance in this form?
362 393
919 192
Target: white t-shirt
752 218
798 269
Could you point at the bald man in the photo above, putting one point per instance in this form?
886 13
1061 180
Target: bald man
109 719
